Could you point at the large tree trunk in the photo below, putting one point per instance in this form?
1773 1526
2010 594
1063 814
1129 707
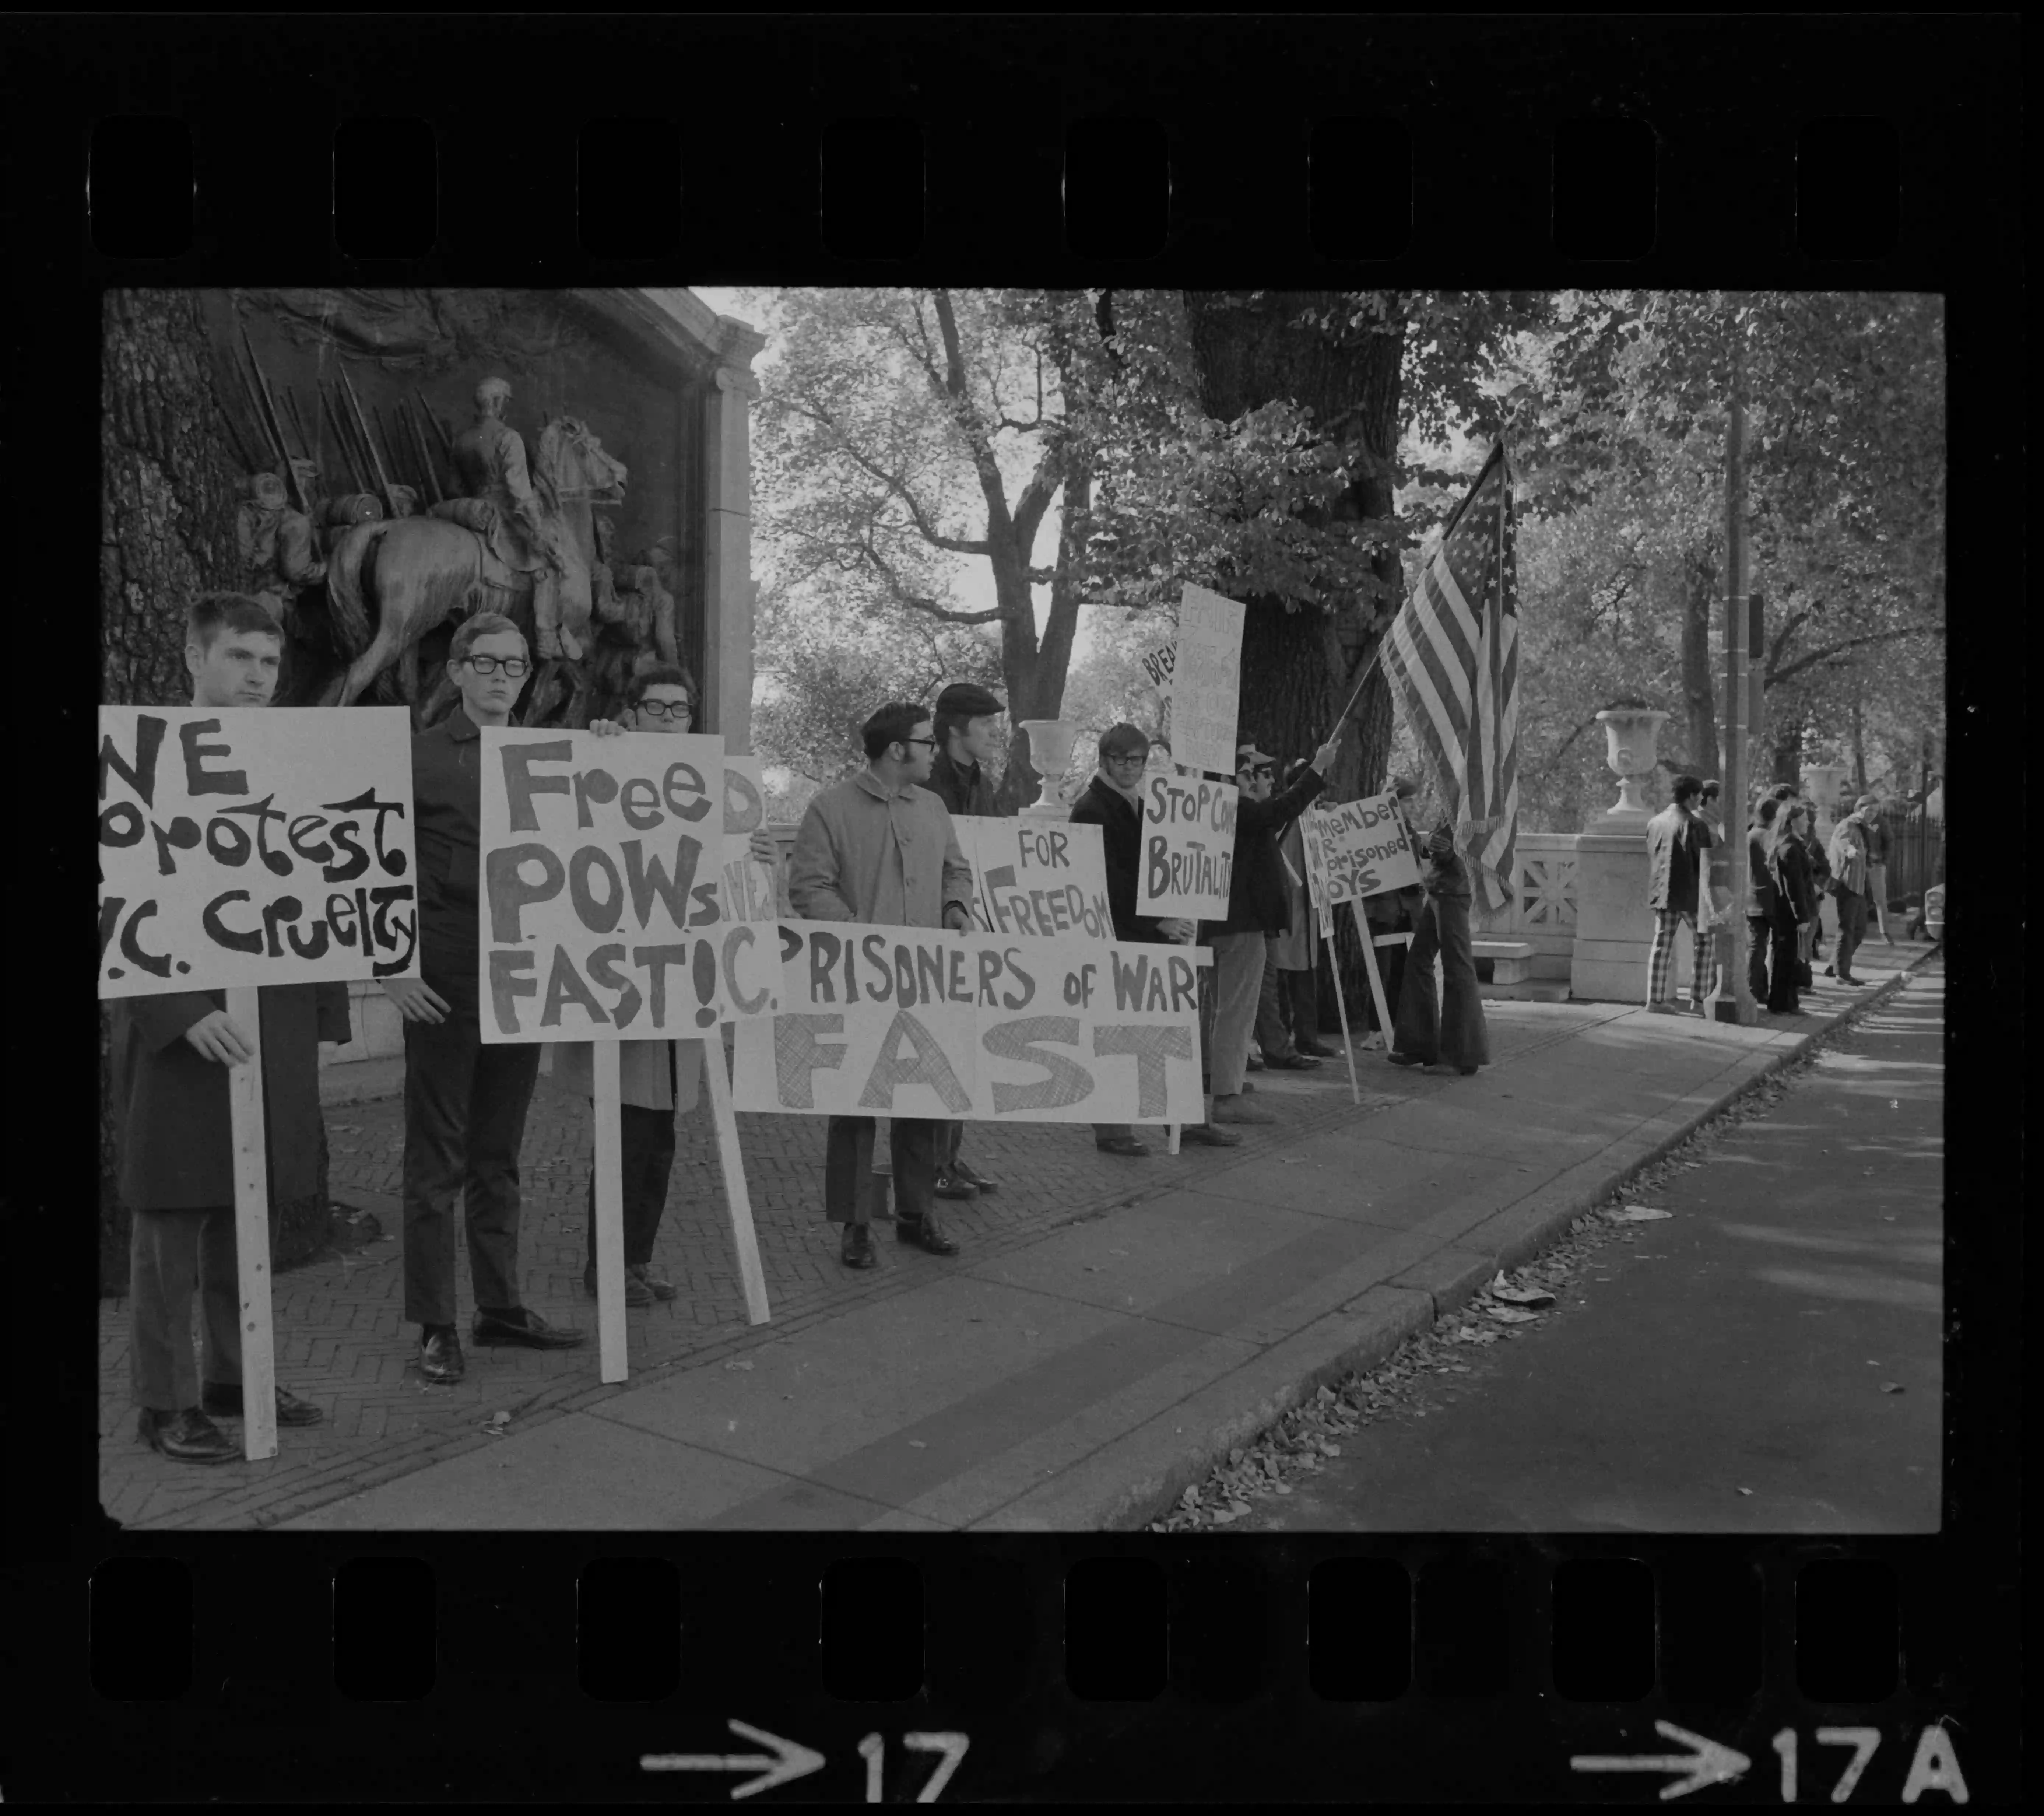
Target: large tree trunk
167 499
1699 581
1299 665
1035 669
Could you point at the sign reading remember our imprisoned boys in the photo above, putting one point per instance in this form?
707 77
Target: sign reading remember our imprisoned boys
1206 681
603 903
910 1021
1352 849
1188 848
1036 878
254 846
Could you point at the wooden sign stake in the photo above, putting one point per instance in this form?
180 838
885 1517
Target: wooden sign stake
1370 964
609 1216
1341 1006
737 1199
251 1234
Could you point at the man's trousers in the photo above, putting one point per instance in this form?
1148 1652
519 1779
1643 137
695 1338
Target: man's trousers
645 1159
1287 1010
912 1142
1852 929
1660 960
465 1106
170 1254
1454 1033
1238 982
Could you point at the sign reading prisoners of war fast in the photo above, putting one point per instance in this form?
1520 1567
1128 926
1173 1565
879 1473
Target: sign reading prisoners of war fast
603 905
1355 849
254 846
1038 878
908 1021
748 884
1206 681
1188 848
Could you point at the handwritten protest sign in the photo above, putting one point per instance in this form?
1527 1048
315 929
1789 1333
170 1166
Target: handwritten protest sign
1206 680
748 884
1188 848
252 847
1036 879
603 910
1355 849
908 1021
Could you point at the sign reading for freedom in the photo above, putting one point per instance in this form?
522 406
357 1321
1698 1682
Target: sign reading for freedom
604 912
907 1021
1355 849
1206 681
254 846
1038 879
1188 848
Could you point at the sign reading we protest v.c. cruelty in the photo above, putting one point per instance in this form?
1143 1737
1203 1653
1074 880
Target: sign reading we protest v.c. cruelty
911 1021
1206 681
254 846
604 906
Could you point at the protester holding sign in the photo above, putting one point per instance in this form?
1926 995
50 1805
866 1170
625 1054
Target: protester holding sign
878 848
1113 802
171 1054
657 1080
465 1101
966 722
1256 909
1288 1007
1448 1036
1394 911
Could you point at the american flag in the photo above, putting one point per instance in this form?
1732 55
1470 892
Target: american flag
1453 654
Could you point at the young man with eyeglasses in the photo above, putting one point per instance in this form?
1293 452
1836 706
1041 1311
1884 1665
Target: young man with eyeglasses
1113 802
878 848
657 1080
465 1101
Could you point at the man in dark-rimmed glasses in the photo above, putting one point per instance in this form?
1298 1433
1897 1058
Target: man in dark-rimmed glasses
465 1103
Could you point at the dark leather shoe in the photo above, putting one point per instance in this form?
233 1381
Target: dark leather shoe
974 1177
526 1328
1206 1135
950 1186
440 1358
637 1293
1254 1064
1405 1058
190 1436
1313 1050
1856 983
1127 1144
1294 1063
221 1401
926 1233
856 1250
658 1285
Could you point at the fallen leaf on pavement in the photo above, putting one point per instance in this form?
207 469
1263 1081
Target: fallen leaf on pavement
1221 1517
1745 1491
1639 1213
917 1443
1190 1498
1506 1314
1524 1295
745 1365
1893 1387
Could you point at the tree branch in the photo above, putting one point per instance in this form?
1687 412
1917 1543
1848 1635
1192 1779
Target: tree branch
925 528
991 484
916 602
1831 649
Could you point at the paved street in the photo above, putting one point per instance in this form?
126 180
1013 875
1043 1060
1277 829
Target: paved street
1767 1360
1110 1324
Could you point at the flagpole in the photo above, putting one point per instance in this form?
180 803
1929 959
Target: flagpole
1735 1004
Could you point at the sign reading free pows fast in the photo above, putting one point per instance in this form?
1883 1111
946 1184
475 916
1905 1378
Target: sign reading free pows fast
250 846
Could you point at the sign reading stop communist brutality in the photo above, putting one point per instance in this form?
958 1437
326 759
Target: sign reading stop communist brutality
1188 848
605 915
909 1022
257 846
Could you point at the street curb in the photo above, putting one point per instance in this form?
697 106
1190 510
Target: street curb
1442 1282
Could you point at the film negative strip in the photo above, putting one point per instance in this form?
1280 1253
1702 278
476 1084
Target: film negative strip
568 186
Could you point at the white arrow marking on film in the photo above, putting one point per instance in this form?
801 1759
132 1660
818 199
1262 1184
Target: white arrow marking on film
1709 1764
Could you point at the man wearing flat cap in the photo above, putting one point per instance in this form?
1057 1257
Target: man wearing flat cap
968 720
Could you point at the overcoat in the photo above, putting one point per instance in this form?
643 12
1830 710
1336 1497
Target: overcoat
172 1110
642 1072
1120 823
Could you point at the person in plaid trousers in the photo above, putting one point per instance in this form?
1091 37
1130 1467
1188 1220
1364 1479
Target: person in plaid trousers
1676 838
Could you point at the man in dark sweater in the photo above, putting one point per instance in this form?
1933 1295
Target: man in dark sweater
1256 909
1113 802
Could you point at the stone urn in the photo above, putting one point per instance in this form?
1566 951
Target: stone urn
1049 755
1631 733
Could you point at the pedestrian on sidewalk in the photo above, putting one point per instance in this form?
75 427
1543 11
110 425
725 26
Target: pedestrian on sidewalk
968 721
1112 801
657 1080
173 1127
1878 822
1288 1011
1256 909
1798 910
465 1101
1765 918
1847 856
878 848
1821 885
1450 1038
1676 838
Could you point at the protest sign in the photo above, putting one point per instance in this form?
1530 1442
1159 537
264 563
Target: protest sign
1188 847
748 884
1355 849
248 847
910 1021
604 914
1034 879
1206 681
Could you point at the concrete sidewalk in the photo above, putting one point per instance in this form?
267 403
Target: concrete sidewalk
1077 1376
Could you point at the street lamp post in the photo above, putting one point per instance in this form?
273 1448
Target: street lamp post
1735 1004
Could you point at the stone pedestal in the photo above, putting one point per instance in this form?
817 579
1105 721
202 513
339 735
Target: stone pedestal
1613 925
